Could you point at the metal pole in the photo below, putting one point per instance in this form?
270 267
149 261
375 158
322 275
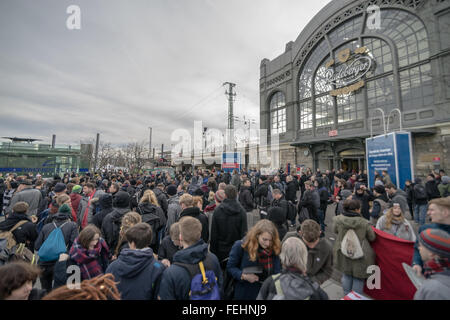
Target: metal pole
400 113
53 141
150 143
96 151
230 110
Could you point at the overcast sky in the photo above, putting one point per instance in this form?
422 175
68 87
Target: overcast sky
135 64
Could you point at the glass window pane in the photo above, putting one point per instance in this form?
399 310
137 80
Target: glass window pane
306 115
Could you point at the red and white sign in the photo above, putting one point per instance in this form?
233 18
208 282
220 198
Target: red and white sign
332 133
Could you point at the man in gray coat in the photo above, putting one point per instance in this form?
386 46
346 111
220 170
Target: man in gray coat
398 196
26 193
236 180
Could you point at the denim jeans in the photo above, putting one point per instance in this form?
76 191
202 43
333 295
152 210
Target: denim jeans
321 215
420 213
350 283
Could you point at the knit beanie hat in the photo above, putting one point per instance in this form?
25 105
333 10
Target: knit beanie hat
445 179
60 187
345 194
379 189
65 208
77 189
437 241
21 207
171 190
219 196
379 183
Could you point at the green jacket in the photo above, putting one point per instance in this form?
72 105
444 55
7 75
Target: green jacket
355 268
444 187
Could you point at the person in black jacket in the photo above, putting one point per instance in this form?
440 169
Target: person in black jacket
26 233
307 201
106 207
162 197
112 221
187 205
278 216
324 197
229 224
409 190
63 220
246 200
291 189
432 188
364 195
261 196
170 245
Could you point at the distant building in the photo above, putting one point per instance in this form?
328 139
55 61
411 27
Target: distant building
22 158
322 93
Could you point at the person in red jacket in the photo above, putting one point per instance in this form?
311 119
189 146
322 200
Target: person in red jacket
75 198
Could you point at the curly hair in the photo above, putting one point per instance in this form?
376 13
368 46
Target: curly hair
251 243
129 219
150 197
101 287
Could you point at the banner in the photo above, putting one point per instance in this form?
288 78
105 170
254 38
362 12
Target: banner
231 161
391 252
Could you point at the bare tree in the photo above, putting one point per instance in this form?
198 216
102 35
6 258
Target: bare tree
135 156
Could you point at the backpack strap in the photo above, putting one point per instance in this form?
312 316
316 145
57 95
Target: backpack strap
194 268
277 282
18 225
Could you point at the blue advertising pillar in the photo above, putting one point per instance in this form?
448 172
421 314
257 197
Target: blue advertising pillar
391 152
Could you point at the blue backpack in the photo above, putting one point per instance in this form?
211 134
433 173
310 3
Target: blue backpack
54 245
204 284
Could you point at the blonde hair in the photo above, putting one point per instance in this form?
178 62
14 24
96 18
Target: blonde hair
150 197
390 216
196 200
62 199
175 231
190 230
129 219
187 200
211 196
251 243
294 254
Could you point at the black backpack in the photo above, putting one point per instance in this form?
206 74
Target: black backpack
292 211
420 192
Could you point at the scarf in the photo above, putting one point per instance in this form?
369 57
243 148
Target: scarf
265 258
435 266
86 212
88 260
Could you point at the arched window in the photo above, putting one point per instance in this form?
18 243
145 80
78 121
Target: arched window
401 31
278 113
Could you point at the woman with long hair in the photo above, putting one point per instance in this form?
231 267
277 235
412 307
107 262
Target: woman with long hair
128 220
254 259
152 214
90 252
395 223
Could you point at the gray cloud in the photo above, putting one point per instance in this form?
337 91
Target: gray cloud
136 64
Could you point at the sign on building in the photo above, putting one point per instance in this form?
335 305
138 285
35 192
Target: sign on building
231 161
391 152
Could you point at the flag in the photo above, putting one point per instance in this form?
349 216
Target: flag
391 252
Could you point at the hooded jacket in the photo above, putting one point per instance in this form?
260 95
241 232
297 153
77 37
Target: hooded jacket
106 207
432 190
176 280
111 226
402 230
195 213
154 216
246 198
162 200
355 268
444 187
26 233
138 273
294 285
229 224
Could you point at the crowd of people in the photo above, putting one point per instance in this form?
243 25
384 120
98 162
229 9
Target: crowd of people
210 234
